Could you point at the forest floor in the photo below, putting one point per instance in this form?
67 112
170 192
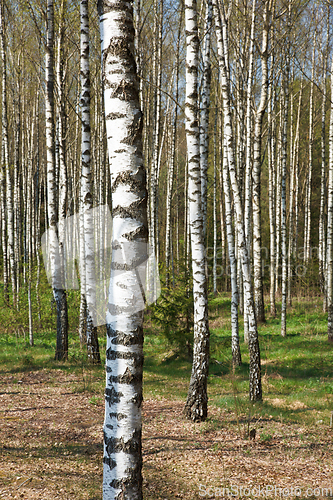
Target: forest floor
50 447
51 416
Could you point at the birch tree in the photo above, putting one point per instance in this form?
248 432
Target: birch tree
89 290
257 160
330 224
235 348
124 355
255 390
5 161
57 285
196 403
248 166
284 118
204 111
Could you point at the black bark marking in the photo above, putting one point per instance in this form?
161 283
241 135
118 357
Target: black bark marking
116 445
126 378
125 339
112 396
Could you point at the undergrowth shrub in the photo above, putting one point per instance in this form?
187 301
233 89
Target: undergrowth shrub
172 316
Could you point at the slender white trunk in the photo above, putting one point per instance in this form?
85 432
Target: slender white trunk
124 351
157 74
89 290
215 205
256 176
255 390
278 201
271 195
322 252
235 348
196 403
57 286
329 257
248 167
307 223
204 111
9 196
285 90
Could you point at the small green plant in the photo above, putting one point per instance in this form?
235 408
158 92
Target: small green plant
265 438
173 316
95 400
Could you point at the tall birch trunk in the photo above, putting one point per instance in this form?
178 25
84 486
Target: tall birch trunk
168 229
256 197
307 223
322 250
235 348
9 196
204 111
196 403
285 90
86 194
255 390
57 286
329 257
248 166
271 196
124 353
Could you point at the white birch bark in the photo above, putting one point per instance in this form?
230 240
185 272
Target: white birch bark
57 286
322 252
124 354
215 203
248 166
294 145
307 223
278 201
9 195
157 74
329 257
204 111
255 390
285 90
271 196
89 290
256 196
235 348
196 403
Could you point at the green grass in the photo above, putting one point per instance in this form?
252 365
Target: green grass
297 371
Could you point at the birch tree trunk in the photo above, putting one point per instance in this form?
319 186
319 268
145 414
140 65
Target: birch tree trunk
57 285
271 196
196 403
255 390
168 229
235 348
257 266
86 193
9 196
157 75
329 257
248 167
285 90
307 223
124 354
322 250
204 111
